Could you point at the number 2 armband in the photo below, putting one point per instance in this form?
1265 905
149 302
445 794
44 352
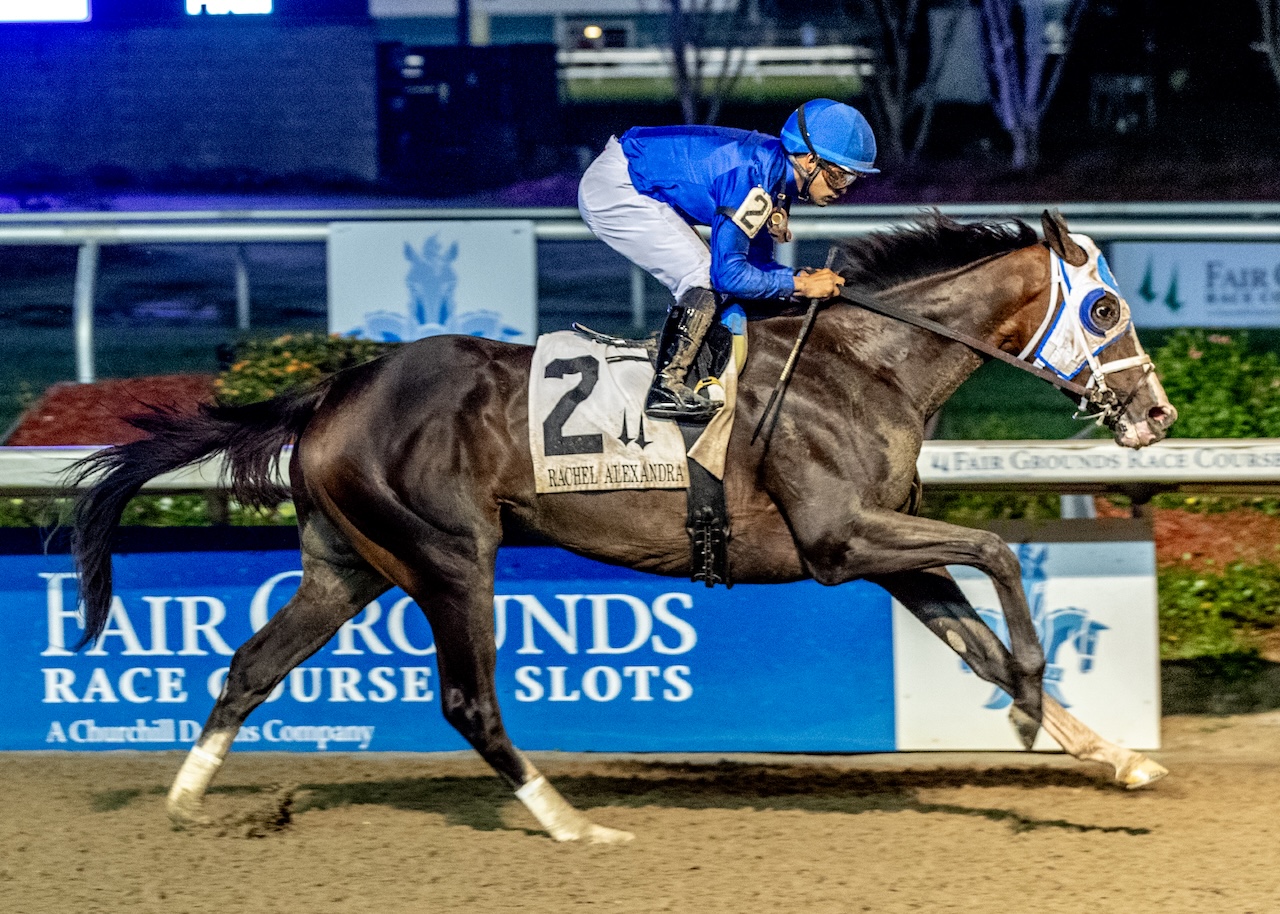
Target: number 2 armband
752 214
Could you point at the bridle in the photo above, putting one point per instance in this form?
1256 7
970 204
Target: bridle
1097 391
1108 408
1106 405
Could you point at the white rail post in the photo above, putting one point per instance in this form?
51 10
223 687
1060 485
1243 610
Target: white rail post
82 309
638 320
1077 507
242 288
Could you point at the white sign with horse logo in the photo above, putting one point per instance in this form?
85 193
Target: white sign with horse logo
1094 608
402 281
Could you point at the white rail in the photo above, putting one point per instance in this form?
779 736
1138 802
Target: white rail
752 63
89 231
1229 466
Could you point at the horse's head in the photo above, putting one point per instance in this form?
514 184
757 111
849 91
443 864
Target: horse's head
1087 336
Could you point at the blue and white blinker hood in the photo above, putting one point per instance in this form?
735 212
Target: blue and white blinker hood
1069 338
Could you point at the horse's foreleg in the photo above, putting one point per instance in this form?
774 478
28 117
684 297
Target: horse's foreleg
1132 769
875 542
934 599
328 596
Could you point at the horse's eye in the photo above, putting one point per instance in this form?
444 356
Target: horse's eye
1105 313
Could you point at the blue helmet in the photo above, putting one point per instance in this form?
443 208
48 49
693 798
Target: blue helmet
834 132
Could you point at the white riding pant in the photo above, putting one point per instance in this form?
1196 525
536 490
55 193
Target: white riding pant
646 231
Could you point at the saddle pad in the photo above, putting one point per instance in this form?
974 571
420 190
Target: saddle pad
587 427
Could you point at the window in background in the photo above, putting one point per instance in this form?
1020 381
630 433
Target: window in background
44 10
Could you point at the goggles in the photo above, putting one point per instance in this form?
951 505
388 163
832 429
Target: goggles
838 179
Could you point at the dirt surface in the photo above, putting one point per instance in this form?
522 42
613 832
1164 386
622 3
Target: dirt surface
390 833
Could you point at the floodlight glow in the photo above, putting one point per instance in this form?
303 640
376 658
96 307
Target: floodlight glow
223 7
592 32
44 10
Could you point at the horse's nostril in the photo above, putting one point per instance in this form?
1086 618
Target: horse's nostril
1162 415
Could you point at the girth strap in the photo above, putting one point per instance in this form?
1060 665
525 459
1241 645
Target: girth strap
707 519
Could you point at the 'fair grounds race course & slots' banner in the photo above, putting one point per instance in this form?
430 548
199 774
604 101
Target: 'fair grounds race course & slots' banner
590 657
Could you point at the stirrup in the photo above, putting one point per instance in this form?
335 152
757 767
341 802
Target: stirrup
670 402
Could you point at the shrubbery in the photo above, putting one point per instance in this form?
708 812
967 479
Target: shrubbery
1221 387
264 368
149 511
1204 613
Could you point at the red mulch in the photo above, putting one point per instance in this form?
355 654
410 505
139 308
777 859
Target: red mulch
1198 539
86 414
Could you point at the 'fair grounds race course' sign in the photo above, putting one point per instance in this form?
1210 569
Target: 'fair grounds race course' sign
590 657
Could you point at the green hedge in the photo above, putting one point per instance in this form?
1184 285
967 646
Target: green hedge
1212 613
148 511
1221 386
264 368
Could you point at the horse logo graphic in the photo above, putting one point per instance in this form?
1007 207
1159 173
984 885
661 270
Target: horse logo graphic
431 285
1055 628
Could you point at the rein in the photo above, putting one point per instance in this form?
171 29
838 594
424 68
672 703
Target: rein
1096 394
1103 399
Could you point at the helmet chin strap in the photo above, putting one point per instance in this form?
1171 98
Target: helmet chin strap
802 190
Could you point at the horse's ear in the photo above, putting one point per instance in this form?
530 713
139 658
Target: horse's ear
1059 239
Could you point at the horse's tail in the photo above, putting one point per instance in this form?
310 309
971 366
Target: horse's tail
250 436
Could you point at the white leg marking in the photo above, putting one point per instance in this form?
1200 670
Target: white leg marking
561 820
1132 769
186 796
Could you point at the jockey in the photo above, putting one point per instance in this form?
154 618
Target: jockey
644 193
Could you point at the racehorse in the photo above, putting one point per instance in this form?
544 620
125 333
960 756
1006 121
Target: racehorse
410 470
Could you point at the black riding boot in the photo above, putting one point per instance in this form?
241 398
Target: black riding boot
687 323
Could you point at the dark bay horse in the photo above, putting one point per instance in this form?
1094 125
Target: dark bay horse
409 471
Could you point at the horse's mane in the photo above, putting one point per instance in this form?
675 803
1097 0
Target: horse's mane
933 244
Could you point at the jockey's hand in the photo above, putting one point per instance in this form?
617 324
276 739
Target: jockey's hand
822 283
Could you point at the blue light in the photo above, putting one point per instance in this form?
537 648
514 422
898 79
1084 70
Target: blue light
44 10
223 7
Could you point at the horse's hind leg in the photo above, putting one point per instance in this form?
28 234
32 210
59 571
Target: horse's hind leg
934 599
336 585
460 609
449 575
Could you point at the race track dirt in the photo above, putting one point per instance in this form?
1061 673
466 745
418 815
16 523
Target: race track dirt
380 833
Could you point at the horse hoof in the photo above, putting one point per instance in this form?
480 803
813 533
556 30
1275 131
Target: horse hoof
187 812
1026 726
1142 774
599 834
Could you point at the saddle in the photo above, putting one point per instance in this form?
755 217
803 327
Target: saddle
707 515
711 361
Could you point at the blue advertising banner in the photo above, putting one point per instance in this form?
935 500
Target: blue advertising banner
589 657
